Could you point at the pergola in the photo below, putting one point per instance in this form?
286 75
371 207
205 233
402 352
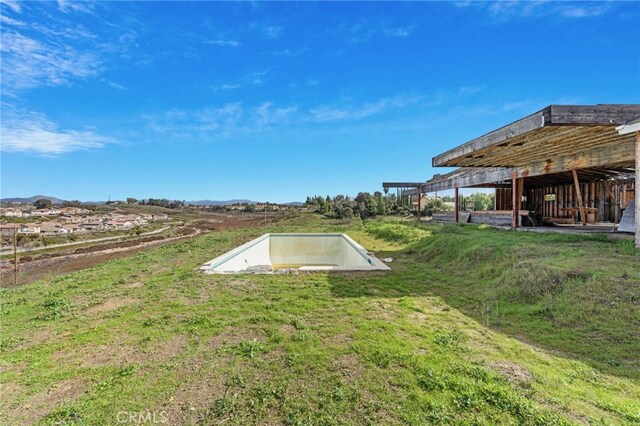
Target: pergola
557 143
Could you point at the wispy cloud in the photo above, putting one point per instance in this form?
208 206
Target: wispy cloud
11 4
32 132
290 52
10 21
29 63
114 85
52 52
223 42
502 11
365 30
357 112
221 122
266 114
252 78
267 31
68 6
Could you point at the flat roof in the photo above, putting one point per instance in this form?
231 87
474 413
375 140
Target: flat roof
554 139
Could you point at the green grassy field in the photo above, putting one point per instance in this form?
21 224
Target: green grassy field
471 326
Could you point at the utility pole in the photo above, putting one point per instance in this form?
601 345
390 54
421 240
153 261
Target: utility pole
15 255
265 214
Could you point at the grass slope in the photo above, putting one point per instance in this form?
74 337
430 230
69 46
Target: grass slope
430 342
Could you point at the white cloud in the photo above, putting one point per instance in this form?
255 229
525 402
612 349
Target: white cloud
253 78
26 131
365 30
29 63
502 11
223 42
221 122
290 52
357 112
230 86
268 31
115 85
266 115
11 4
10 21
67 6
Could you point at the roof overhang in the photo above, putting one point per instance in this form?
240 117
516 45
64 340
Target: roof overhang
555 139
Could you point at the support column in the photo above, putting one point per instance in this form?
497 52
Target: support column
583 216
637 187
515 201
419 199
456 204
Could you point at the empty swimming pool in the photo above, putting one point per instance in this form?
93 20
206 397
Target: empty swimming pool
304 252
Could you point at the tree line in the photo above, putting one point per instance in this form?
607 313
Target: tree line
366 205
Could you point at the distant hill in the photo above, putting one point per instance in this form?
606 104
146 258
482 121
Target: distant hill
231 202
220 203
53 200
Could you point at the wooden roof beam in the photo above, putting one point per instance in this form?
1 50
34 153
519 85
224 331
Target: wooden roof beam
553 115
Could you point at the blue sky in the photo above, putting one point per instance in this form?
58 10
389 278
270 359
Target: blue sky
276 101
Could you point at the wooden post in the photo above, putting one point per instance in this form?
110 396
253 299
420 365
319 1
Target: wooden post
637 188
515 201
583 216
435 206
457 204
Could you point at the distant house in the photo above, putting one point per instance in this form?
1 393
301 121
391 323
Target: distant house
29 228
53 228
75 229
93 226
45 212
73 210
8 229
11 212
160 216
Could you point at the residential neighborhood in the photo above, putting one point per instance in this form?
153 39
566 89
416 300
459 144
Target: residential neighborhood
70 220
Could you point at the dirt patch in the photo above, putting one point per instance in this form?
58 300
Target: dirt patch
379 310
45 401
117 353
51 264
241 287
417 317
169 349
192 400
514 373
134 285
111 304
342 339
41 336
348 366
288 329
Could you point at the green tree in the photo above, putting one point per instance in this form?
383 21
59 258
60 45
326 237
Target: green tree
42 203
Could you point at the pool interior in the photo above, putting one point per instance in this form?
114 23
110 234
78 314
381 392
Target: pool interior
304 252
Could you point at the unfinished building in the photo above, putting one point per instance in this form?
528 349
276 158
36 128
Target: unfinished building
562 165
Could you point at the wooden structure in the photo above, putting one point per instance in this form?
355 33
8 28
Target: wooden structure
633 128
561 161
403 186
